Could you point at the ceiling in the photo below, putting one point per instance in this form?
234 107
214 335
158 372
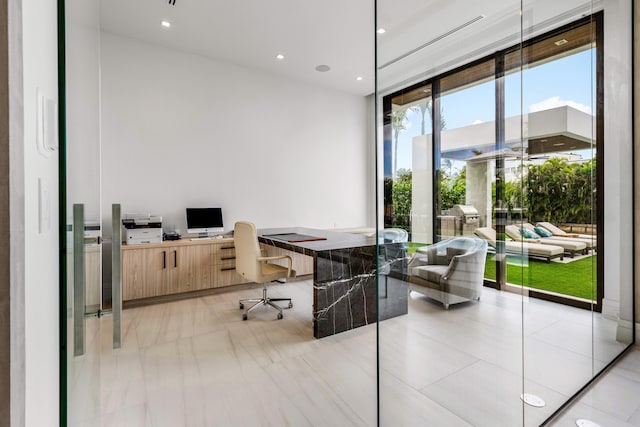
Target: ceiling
338 33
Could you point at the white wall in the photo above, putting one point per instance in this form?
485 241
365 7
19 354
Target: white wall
83 106
180 130
41 248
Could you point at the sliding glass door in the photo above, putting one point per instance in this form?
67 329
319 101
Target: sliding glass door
520 160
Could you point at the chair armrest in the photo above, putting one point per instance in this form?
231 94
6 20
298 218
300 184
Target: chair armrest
273 258
418 260
463 278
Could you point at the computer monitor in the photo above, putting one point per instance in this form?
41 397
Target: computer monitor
204 221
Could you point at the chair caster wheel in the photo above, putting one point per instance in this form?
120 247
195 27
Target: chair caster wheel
280 316
290 305
241 306
244 317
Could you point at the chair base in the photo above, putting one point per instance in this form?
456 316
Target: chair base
266 301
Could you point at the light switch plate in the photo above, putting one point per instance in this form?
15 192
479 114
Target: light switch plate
46 124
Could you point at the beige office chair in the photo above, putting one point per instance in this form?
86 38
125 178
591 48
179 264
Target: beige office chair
251 265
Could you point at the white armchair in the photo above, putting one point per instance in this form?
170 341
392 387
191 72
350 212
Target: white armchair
451 271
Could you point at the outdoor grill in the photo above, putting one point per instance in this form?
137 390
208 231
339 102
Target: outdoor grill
467 217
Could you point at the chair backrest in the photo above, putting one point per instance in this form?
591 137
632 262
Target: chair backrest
552 228
396 235
247 251
474 262
513 232
488 234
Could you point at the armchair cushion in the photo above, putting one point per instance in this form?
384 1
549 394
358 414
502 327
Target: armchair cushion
458 280
451 252
432 273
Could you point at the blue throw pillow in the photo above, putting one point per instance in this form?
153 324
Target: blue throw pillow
528 234
542 232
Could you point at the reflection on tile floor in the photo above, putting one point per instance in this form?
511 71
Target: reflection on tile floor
196 363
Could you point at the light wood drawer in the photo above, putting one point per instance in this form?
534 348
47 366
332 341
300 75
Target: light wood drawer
226 276
224 254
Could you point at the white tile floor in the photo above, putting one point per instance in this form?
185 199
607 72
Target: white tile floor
613 400
196 363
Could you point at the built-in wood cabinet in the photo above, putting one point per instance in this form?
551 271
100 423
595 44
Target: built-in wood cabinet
224 266
193 268
174 267
164 270
181 266
146 273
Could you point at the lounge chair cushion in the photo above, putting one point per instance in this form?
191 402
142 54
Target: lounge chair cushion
542 232
489 234
534 249
556 231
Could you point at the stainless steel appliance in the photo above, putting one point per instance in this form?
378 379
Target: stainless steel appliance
468 219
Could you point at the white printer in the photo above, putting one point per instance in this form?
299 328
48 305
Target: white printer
142 228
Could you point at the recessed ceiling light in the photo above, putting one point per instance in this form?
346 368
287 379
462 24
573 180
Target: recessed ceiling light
359 78
166 24
558 144
323 68
280 56
560 42
381 31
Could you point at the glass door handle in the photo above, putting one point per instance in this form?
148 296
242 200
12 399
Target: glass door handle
116 274
78 281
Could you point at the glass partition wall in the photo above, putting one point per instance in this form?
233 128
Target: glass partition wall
503 130
500 143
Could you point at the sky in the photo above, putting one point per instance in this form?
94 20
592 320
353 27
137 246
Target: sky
567 81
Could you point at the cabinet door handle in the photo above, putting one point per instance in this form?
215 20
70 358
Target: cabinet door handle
164 259
175 258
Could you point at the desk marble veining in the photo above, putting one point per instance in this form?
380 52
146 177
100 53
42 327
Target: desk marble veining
345 294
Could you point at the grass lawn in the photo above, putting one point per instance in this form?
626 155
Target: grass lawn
577 278
411 249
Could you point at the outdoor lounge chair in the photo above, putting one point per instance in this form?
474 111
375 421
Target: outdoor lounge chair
530 250
570 248
557 232
591 243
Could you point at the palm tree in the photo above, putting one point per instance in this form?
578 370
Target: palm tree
423 108
398 120
447 165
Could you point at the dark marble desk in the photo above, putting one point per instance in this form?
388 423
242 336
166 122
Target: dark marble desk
345 295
